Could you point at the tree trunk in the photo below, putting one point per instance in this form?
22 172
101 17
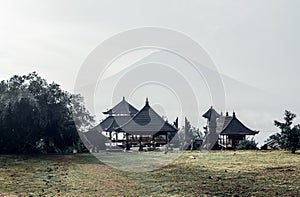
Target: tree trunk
293 150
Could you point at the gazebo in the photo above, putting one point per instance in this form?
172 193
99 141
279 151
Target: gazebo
118 115
233 132
225 131
147 126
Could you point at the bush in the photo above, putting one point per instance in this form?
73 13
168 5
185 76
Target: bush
247 145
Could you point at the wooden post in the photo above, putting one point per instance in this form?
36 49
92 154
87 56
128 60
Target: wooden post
223 140
127 144
140 143
167 138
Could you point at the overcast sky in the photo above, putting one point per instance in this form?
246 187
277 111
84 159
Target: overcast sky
254 42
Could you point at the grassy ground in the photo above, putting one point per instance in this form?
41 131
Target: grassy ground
57 175
240 173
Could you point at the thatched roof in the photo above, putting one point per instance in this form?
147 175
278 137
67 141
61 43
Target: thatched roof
147 122
233 126
122 108
210 113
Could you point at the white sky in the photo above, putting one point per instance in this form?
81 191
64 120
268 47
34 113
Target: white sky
255 42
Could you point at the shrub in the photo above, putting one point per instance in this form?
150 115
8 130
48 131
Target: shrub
247 145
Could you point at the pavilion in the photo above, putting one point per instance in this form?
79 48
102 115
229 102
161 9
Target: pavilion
126 126
225 131
117 116
146 126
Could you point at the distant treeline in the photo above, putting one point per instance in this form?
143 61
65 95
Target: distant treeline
37 117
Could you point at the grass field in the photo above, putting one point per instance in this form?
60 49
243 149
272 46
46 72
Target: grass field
229 173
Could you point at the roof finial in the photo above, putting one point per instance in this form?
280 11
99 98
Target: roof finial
227 114
147 101
233 114
123 98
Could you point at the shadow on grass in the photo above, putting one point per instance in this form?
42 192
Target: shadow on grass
82 158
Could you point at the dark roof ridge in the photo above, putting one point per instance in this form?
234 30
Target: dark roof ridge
209 112
229 122
234 118
150 123
150 108
130 109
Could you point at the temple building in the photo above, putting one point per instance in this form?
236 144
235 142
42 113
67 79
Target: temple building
224 131
126 126
147 126
117 116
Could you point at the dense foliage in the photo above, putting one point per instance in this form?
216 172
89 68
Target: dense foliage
188 137
289 137
247 145
36 117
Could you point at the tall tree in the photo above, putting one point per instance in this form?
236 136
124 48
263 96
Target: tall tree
289 137
38 117
188 134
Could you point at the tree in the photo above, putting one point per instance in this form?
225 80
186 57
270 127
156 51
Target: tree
187 136
289 137
197 133
38 117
